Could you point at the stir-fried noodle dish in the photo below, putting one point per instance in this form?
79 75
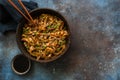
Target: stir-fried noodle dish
46 38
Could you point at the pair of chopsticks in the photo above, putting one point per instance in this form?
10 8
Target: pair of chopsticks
29 18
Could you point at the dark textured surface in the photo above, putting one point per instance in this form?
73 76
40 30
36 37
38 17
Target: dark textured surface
95 44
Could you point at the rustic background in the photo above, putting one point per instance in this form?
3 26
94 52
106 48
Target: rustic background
94 53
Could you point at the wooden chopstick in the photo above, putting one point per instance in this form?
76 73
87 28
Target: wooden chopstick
25 10
31 19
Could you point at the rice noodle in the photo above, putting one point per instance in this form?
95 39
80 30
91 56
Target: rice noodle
45 39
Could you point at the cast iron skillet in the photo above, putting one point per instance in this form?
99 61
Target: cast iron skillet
35 13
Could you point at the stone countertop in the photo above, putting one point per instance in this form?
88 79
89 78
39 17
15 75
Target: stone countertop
94 53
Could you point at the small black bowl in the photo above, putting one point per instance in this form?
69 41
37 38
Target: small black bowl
21 64
35 13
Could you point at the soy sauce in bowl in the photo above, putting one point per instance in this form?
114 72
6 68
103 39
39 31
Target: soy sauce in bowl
21 64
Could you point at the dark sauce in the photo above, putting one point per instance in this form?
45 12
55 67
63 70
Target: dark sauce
21 63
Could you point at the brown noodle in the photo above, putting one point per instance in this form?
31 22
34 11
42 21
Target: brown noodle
45 39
